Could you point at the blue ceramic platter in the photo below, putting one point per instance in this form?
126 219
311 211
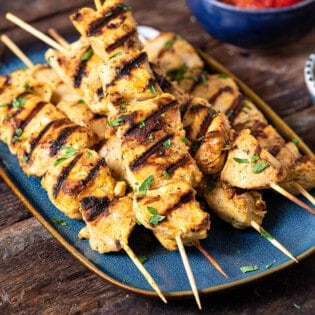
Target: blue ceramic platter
291 225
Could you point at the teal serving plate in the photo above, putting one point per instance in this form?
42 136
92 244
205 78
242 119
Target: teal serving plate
233 249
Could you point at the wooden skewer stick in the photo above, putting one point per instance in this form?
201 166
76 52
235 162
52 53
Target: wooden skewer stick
188 270
291 197
16 50
144 272
98 5
58 38
210 258
30 29
272 240
304 192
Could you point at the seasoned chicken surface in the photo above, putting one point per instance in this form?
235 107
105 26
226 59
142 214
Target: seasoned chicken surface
249 166
108 223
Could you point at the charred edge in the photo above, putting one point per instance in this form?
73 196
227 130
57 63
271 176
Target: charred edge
127 38
138 163
100 93
6 83
207 120
152 122
162 81
184 108
93 173
95 28
80 72
35 142
94 206
185 198
164 50
235 108
129 66
198 81
257 130
275 149
55 145
64 174
214 97
181 162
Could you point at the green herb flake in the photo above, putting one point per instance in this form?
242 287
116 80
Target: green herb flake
143 188
155 218
177 74
152 89
109 13
124 7
167 143
211 185
295 141
89 154
17 137
19 102
115 122
142 123
223 75
184 140
255 158
227 146
59 222
81 101
203 79
259 167
117 54
69 152
138 221
4 104
297 306
24 159
143 259
150 137
239 160
246 269
28 88
246 105
87 55
268 266
169 44
166 174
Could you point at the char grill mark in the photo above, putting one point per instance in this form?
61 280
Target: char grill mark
127 38
128 66
185 198
162 81
95 28
225 89
235 108
184 108
93 173
257 130
152 122
207 120
199 79
93 207
141 160
6 83
64 174
275 149
80 72
55 145
173 167
100 93
35 142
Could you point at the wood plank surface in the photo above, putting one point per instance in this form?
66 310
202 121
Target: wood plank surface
38 276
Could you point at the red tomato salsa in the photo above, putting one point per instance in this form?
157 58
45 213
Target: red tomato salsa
262 4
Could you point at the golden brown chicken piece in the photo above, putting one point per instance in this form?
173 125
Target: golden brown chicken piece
107 222
84 174
249 166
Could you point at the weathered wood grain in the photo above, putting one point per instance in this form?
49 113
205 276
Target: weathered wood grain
38 276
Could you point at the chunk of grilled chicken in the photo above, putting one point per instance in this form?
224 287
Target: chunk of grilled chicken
249 166
84 174
233 205
176 58
107 222
175 201
110 30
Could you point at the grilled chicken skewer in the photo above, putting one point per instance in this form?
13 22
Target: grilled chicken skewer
128 78
80 185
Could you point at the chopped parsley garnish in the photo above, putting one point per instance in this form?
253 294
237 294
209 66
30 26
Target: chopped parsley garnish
177 74
239 160
117 54
152 89
297 306
142 123
27 87
246 105
255 158
109 13
259 167
89 154
203 79
124 7
115 122
184 139
223 75
19 102
59 222
246 269
142 259
166 174
17 137
24 159
4 104
155 218
150 137
163 115
227 146
87 55
211 185
81 101
167 143
69 152
268 266
195 145
143 188
295 141
169 44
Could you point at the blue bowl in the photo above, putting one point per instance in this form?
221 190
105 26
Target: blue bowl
254 28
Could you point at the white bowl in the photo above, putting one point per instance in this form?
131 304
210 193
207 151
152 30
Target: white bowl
309 75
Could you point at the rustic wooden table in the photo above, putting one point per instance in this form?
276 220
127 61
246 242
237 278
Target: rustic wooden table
38 276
